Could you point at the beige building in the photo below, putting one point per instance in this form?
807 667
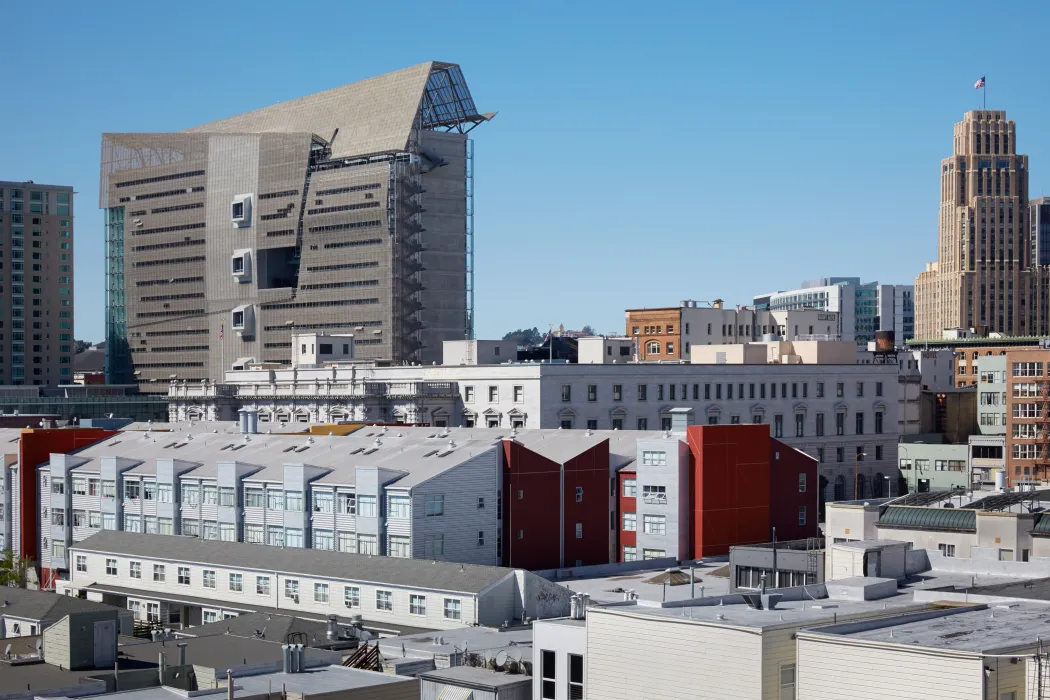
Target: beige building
984 276
36 307
346 211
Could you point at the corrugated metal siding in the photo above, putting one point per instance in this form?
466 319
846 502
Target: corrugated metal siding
728 667
832 670
462 520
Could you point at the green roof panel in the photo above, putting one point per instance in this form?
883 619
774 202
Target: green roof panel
929 518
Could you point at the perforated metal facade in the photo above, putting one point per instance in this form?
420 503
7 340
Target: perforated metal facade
345 212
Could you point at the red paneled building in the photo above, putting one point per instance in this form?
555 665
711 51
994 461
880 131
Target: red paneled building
735 484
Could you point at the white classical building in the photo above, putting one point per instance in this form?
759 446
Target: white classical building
821 402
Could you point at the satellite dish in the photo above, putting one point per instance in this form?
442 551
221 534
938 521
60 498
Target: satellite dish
501 659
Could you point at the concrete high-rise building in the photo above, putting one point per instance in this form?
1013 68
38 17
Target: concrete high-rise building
985 276
36 299
346 211
862 308
1039 221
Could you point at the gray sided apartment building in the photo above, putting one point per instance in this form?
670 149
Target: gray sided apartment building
36 283
346 211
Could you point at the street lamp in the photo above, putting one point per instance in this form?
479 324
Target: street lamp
856 474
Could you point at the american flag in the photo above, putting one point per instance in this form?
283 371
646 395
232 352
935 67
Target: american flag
221 326
979 84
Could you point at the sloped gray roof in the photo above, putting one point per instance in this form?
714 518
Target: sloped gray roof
41 605
372 116
407 573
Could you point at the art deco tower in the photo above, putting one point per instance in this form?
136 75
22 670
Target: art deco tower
984 276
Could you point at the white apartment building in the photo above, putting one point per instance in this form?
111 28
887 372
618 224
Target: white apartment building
182 581
434 498
862 309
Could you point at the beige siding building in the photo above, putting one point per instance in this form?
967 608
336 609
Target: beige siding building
36 299
346 211
984 276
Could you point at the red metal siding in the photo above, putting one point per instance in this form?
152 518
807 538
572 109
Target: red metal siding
628 504
589 471
731 486
34 449
535 514
785 497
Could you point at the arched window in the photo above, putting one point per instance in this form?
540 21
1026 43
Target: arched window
878 484
338 416
652 347
840 488
302 417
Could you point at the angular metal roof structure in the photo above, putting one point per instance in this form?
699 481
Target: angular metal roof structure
370 116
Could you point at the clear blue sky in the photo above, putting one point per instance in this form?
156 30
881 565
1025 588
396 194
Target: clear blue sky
643 153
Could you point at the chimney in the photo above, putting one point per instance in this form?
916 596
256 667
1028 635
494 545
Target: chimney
244 420
229 684
182 653
332 630
286 658
681 420
716 304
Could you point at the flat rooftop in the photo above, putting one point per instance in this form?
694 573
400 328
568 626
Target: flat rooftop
451 641
472 677
786 614
980 629
226 651
610 589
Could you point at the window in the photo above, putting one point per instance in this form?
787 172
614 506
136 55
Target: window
323 539
787 682
946 550
519 393
630 521
366 506
840 389
802 482
184 575
648 554
630 488
400 507
132 490
840 456
293 501
859 420
654 494
778 426
164 493
652 347
468 394
575 677
566 392
366 544
435 504
630 553
652 458
579 494
617 392
878 422
111 567
291 589
820 424
417 605
346 504
434 544
548 675
452 608
208 578
481 538
253 534
643 394
800 424
654 524
351 596
579 531
158 573
820 390
878 388
802 515
293 537
840 423
384 601
262 585
321 593
399 546
493 394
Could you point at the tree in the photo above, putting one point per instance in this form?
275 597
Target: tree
81 345
588 330
14 570
525 336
